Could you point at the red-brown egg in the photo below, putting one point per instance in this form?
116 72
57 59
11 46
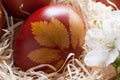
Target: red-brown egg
116 2
1 18
14 8
48 36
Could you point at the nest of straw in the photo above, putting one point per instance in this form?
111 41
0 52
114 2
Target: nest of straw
75 70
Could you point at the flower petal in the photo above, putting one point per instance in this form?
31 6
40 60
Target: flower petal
100 57
117 43
96 58
92 38
112 56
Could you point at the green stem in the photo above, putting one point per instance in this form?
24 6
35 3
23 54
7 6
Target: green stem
116 72
116 65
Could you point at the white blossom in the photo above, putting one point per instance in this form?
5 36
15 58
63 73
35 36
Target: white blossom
103 41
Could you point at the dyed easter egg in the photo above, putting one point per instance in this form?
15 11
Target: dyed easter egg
48 36
115 2
21 8
1 18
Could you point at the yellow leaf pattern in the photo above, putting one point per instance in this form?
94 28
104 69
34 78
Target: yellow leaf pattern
50 34
44 55
54 34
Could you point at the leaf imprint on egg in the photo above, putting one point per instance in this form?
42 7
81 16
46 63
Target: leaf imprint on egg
50 35
54 34
44 55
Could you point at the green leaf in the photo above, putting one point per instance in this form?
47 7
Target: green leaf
117 62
